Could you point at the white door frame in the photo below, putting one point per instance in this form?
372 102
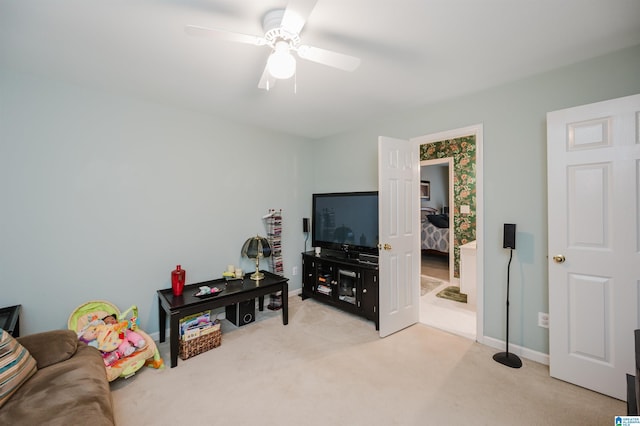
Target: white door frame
476 130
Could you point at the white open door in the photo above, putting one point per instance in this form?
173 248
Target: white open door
594 242
398 174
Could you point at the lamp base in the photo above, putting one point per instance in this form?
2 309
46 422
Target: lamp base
508 359
257 275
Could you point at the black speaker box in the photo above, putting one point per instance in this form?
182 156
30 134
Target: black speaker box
509 240
305 224
241 313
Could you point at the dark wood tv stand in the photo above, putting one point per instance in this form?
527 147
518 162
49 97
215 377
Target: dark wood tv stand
345 283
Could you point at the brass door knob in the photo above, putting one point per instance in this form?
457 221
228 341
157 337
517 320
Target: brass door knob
558 258
384 247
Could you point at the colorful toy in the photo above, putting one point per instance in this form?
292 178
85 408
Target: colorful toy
129 339
124 346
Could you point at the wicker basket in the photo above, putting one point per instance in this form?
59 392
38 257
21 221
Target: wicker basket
200 344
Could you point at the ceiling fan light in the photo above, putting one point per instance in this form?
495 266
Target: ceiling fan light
281 64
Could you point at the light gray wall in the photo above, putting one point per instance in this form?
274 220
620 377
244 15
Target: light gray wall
514 118
103 195
438 177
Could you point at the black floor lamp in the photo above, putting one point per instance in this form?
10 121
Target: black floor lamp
506 358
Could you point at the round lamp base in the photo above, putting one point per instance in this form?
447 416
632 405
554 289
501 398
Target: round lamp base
257 275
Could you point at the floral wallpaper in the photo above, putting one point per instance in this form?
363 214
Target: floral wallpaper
463 151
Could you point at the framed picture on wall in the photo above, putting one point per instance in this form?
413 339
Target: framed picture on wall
425 190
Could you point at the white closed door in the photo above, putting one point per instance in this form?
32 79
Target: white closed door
594 242
399 228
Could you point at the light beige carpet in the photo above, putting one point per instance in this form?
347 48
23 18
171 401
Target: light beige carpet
328 367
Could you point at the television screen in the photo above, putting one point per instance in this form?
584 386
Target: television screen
346 221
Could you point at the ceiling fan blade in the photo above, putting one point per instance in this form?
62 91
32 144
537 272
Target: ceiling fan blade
296 14
267 81
196 30
327 57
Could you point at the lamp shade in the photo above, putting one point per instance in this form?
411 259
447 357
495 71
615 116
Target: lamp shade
256 248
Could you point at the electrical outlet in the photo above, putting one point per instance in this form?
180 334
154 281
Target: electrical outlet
543 319
294 270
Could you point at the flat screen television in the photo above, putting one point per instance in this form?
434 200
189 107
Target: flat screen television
346 221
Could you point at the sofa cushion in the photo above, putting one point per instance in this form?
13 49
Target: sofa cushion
75 391
16 366
50 347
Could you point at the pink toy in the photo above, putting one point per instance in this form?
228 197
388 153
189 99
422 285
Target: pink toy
130 342
135 339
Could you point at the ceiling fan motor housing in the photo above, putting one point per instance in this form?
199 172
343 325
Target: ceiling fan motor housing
274 32
272 19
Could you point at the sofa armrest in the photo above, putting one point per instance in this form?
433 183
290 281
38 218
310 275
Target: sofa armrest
50 347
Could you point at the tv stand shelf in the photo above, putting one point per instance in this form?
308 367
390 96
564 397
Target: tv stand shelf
346 283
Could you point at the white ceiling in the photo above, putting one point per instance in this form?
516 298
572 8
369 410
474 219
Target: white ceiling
414 52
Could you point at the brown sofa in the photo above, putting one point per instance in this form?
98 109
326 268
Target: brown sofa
70 386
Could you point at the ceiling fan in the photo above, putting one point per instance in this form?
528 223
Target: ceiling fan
282 34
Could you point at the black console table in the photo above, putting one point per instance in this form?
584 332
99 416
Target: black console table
234 291
348 284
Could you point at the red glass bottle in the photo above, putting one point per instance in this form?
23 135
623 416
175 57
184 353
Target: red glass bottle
177 280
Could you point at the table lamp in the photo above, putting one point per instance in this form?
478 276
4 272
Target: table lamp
255 248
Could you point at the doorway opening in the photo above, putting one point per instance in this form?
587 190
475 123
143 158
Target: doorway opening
440 305
442 261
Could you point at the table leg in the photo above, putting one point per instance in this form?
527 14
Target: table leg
162 321
174 339
285 303
261 303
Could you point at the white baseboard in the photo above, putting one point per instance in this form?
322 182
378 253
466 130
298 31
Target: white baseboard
527 353
295 292
156 335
